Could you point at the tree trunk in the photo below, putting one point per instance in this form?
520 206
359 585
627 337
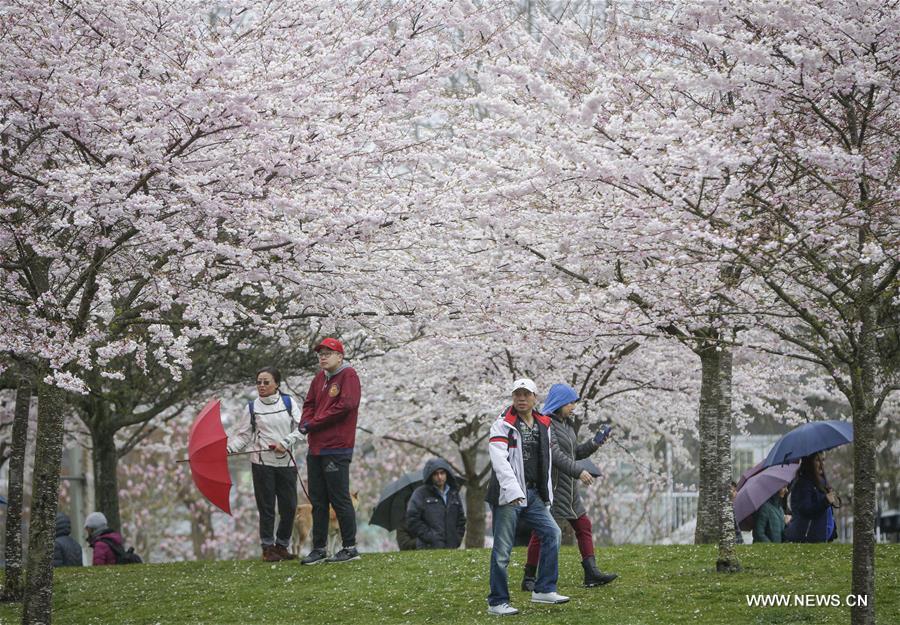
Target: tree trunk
201 531
888 466
12 585
45 496
863 581
475 493
475 518
106 481
727 561
864 415
707 530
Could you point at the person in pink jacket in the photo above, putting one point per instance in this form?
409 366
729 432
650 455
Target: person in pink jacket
98 533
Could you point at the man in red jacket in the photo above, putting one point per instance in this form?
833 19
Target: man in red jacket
329 421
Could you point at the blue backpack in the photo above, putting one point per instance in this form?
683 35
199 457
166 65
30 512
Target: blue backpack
287 404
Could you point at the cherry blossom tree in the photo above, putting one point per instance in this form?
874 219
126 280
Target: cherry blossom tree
798 141
516 211
161 168
757 139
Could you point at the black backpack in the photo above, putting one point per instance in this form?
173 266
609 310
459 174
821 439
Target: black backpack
122 556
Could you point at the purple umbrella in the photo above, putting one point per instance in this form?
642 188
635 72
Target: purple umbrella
746 475
757 489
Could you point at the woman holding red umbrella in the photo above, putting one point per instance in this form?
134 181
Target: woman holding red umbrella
270 424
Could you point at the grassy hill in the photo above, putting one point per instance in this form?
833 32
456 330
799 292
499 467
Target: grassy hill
659 584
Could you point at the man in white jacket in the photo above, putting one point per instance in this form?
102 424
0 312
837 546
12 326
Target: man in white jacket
521 488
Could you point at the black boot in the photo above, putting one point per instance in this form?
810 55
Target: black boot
528 580
593 576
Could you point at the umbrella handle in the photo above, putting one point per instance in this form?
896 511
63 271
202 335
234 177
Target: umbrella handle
237 453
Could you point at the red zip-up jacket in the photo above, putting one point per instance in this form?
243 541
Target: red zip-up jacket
330 411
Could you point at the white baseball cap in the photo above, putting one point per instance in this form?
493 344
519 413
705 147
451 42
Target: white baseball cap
525 383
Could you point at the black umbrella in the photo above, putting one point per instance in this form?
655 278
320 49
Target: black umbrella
391 507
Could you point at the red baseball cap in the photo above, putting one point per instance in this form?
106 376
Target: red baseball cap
332 344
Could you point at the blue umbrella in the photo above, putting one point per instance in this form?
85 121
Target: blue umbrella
808 439
2 500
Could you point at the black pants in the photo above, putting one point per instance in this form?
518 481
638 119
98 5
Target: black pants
329 485
271 484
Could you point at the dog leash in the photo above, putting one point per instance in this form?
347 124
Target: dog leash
299 479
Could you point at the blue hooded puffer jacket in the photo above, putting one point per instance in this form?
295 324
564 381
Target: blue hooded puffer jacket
558 396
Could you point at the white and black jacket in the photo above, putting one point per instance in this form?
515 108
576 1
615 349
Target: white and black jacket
507 464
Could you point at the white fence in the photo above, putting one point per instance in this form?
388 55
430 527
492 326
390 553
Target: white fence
653 518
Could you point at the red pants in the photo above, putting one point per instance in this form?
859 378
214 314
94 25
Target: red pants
582 527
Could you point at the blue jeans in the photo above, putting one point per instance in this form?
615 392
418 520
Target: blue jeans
537 515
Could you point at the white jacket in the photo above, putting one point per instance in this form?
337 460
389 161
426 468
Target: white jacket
507 460
273 425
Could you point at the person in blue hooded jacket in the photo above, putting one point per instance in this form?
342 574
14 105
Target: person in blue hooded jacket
435 514
566 474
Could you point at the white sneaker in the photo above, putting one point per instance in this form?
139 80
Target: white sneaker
504 609
548 597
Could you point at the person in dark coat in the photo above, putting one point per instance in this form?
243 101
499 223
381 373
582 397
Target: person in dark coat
567 502
768 526
66 550
812 500
435 514
98 532
405 540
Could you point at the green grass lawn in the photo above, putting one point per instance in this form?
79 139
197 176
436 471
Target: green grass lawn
659 584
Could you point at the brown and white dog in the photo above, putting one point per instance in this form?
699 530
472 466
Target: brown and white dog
303 526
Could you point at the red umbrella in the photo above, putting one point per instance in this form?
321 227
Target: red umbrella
208 456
